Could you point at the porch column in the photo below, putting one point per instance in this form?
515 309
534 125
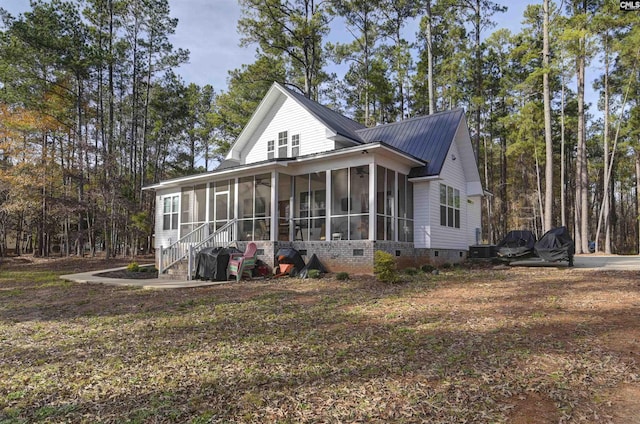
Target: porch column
329 206
274 207
372 200
235 209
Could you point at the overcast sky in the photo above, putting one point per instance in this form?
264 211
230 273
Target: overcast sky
207 28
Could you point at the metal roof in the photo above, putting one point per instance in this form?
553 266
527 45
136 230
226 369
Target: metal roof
428 137
335 121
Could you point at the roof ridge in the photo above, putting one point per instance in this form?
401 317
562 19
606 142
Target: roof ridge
304 98
415 118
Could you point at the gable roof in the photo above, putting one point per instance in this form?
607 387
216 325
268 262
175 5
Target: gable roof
427 137
335 121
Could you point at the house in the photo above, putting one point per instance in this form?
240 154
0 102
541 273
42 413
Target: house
301 175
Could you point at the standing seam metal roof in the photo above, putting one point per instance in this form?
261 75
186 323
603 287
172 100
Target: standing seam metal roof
427 137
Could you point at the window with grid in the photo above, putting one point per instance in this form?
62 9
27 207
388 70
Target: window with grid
295 145
449 206
270 149
170 213
283 140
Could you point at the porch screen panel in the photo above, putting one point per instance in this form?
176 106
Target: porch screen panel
262 207
318 211
359 203
302 206
284 207
186 211
405 209
386 204
245 208
200 204
340 204
350 203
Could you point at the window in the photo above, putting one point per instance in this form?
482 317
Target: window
295 145
170 213
283 139
449 206
270 149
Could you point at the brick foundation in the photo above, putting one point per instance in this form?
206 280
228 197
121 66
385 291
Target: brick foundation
356 256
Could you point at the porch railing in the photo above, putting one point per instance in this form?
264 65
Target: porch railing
222 237
190 244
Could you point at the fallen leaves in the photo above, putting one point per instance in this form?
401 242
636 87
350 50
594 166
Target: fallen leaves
467 346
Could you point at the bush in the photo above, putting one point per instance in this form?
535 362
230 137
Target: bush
427 268
133 267
314 273
342 276
384 267
410 271
446 265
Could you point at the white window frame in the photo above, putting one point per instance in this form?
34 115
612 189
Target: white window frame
450 203
283 141
174 203
295 145
271 149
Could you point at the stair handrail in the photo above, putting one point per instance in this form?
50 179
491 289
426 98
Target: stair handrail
222 237
179 249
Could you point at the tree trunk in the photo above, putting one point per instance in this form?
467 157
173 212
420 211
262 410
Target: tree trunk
548 172
432 96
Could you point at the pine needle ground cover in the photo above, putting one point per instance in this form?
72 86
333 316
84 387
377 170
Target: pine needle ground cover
482 346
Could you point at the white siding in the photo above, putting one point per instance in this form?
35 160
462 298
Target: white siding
291 117
421 215
164 237
474 214
452 175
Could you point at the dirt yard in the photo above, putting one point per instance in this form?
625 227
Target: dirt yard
521 345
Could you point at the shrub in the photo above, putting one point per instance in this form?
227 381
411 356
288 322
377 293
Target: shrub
410 271
427 268
314 273
384 267
342 276
446 265
133 267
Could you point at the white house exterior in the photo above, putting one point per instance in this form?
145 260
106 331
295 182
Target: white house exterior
302 176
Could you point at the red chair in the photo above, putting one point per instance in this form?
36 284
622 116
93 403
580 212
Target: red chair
241 265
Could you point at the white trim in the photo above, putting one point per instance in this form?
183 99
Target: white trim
428 178
256 167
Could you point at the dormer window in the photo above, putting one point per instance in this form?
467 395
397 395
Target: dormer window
283 140
270 149
295 145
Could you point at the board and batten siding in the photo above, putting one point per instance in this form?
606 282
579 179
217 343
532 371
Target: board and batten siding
291 117
164 238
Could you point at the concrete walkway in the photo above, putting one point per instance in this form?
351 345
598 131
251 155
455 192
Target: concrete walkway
595 262
151 283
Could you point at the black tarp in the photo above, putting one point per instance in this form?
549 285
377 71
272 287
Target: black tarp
516 244
556 245
212 262
314 263
289 255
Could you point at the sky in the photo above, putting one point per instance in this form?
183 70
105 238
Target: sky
207 28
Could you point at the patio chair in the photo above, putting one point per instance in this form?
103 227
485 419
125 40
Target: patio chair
242 264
